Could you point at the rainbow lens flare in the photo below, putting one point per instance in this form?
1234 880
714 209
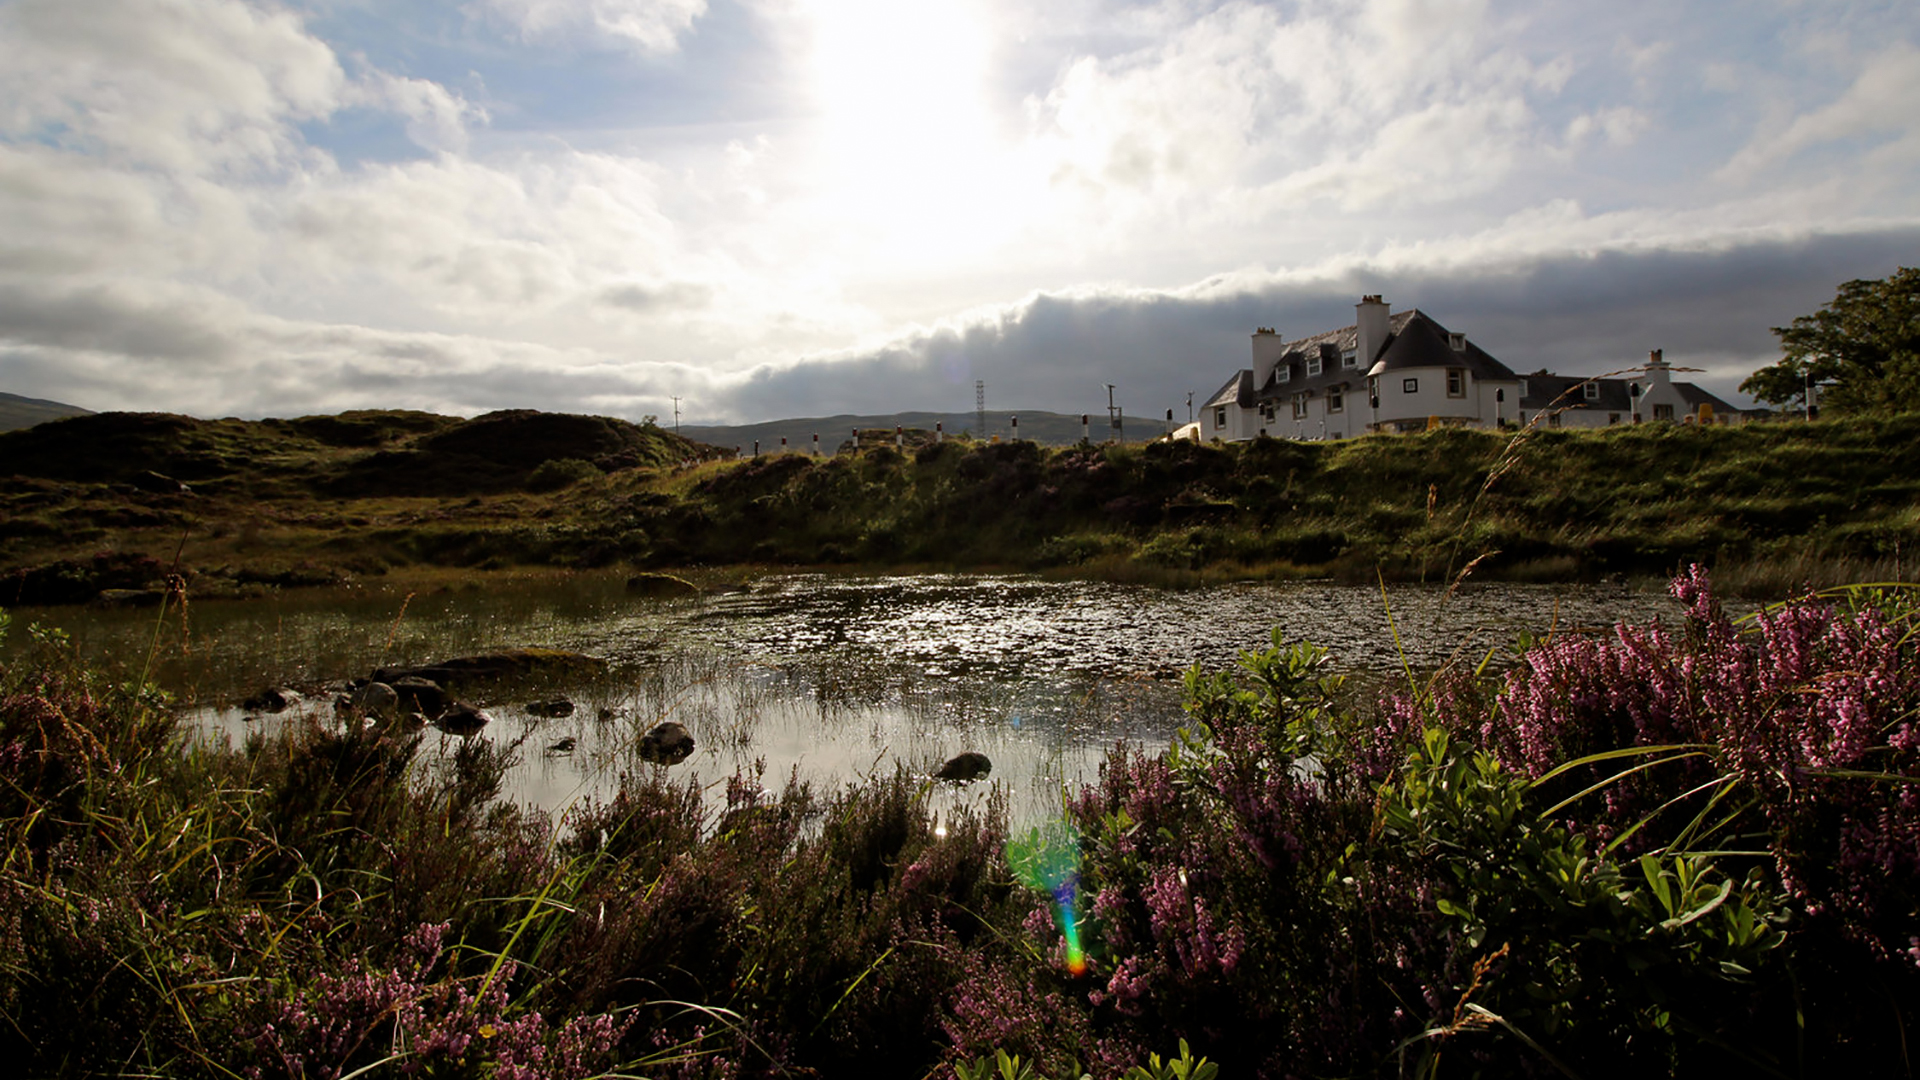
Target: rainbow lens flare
1047 860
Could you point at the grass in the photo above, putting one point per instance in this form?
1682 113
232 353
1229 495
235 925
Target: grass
1592 862
280 504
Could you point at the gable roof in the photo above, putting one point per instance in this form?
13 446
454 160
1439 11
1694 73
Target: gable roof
1421 342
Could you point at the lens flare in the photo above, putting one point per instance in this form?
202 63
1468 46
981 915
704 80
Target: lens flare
1047 860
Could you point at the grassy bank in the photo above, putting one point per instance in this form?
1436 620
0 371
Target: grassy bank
98 503
1665 851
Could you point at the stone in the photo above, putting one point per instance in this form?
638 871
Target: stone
965 768
462 718
549 710
376 699
422 695
502 665
668 743
563 746
273 699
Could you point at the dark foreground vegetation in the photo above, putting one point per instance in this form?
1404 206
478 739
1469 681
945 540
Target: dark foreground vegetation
122 501
1684 850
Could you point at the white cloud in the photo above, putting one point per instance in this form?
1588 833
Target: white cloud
647 26
193 87
1883 101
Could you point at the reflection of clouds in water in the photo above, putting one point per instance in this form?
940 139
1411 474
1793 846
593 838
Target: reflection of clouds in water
844 677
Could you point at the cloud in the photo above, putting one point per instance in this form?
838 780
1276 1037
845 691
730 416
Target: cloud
1709 307
1884 101
646 26
193 86
644 299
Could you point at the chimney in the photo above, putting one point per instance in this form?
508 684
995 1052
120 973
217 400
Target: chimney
1657 371
1267 350
1370 326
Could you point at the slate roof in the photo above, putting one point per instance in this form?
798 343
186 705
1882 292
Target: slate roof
1564 391
1421 342
1616 395
1696 397
1414 339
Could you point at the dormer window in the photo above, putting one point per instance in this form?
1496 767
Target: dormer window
1458 342
1350 358
1283 373
1313 365
1592 390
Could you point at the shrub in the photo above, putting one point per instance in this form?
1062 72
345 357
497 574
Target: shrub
556 473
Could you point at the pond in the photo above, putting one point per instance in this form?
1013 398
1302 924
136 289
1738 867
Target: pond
827 677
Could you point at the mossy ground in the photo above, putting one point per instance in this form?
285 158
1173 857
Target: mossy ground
324 499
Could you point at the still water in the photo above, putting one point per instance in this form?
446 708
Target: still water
828 677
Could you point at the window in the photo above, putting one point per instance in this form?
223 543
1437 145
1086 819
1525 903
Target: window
1592 390
1336 401
1299 406
1313 364
1523 388
1266 410
1663 412
1283 373
1350 358
1456 382
1613 418
1553 419
1409 386
1219 418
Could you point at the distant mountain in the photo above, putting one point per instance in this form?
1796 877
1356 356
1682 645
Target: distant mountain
23 412
1053 429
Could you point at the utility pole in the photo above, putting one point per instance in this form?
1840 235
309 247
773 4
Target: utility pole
979 408
1113 417
1189 406
676 415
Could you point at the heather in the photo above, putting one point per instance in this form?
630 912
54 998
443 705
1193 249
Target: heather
1666 849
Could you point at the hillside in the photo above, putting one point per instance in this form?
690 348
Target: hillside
100 501
19 412
1045 428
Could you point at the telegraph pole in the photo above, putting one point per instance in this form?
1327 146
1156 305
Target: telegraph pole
1113 418
980 408
676 415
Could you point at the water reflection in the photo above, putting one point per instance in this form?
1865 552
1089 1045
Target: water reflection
827 677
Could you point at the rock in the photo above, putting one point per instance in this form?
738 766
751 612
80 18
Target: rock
462 719
157 484
467 671
661 585
422 695
564 746
550 709
607 712
669 743
271 700
965 768
376 699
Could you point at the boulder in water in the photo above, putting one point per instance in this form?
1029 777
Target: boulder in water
669 743
965 768
462 718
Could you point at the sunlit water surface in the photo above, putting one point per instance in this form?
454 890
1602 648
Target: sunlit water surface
830 677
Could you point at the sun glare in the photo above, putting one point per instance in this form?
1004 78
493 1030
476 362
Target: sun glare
909 157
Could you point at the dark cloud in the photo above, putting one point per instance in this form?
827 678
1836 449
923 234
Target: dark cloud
674 296
1574 314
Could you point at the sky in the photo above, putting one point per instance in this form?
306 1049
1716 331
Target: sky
754 209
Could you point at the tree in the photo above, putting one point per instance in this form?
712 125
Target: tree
1863 349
